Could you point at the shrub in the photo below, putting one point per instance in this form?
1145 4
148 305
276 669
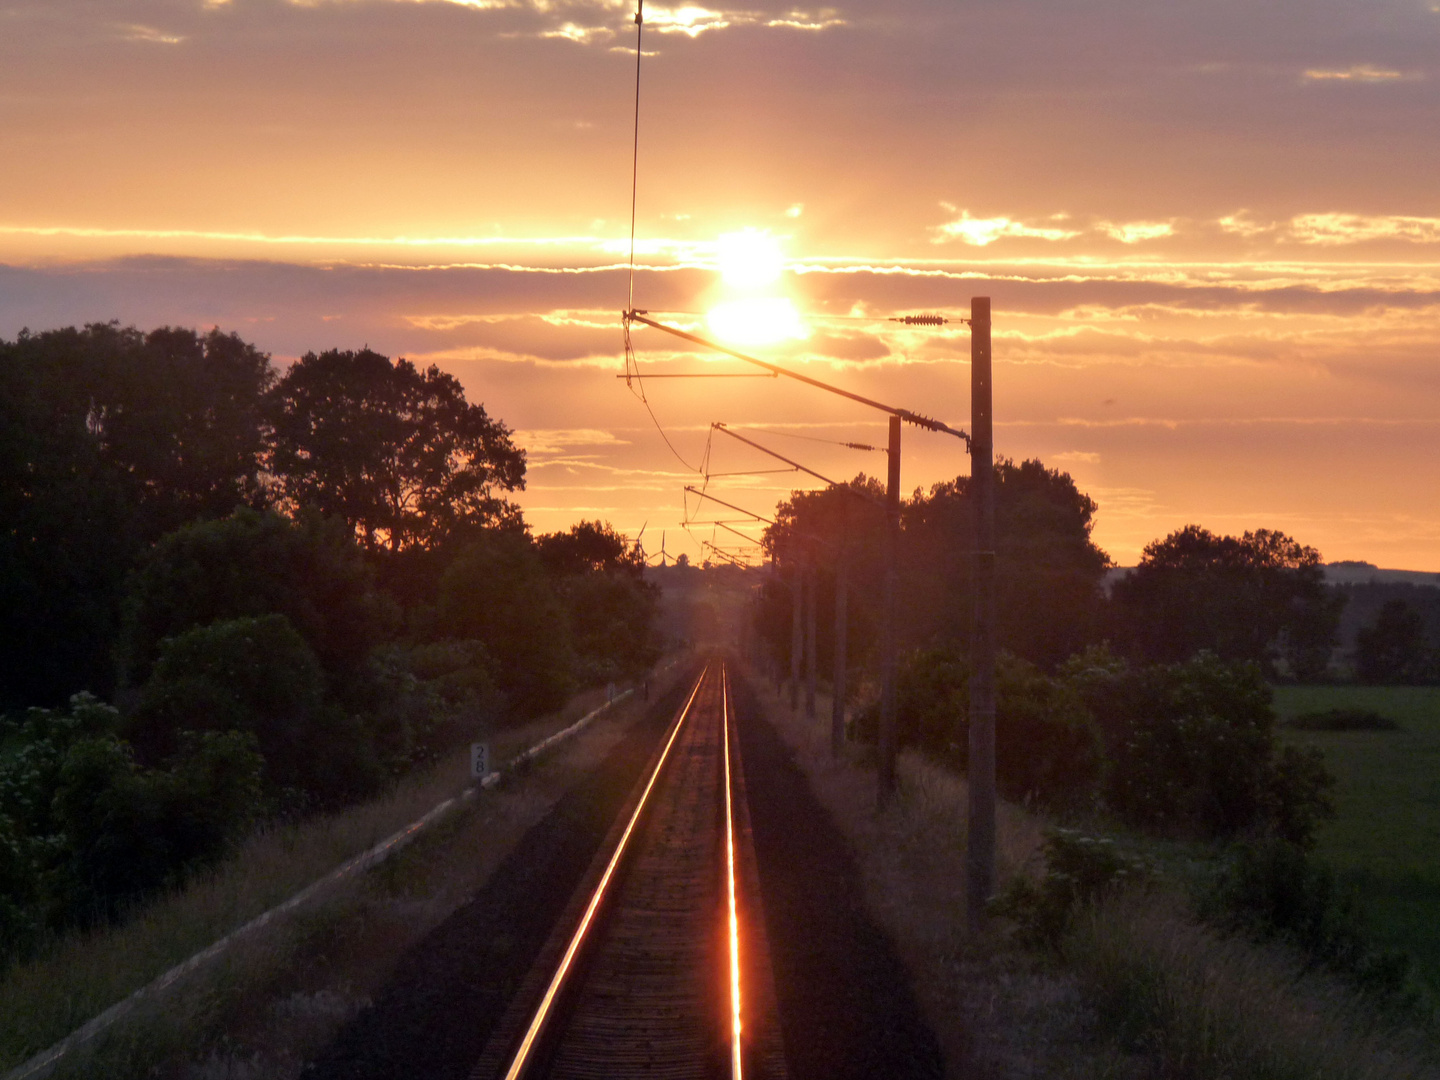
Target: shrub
252 564
1274 890
254 674
259 676
1190 749
1342 720
1079 870
1046 747
433 697
497 592
85 829
129 831
611 615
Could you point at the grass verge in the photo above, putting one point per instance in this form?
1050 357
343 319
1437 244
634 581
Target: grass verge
1195 1002
1140 987
1385 837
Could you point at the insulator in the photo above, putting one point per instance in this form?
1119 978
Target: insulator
922 320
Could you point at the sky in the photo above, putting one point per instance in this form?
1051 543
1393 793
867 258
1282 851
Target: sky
1210 232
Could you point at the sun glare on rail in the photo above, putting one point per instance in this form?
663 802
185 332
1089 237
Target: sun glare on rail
734 921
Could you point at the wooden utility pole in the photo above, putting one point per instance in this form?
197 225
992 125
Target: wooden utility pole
796 642
887 629
980 849
837 689
810 592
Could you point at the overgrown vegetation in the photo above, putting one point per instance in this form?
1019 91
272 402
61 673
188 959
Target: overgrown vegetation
1112 971
262 594
1342 720
1381 842
1143 723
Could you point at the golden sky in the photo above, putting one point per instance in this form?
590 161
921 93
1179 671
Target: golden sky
1211 232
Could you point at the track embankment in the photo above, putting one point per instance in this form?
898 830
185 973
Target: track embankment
688 910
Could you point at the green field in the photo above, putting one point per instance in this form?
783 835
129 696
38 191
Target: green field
1386 832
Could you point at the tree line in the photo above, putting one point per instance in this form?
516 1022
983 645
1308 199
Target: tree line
1144 696
235 592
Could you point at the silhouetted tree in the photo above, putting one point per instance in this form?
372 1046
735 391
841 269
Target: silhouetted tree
498 593
598 575
1259 597
590 546
108 439
1393 649
395 451
1048 570
250 564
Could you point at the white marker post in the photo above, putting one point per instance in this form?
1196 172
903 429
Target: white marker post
479 760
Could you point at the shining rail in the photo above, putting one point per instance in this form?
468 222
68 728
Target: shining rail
645 974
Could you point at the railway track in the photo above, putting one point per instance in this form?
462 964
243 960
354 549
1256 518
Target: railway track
659 967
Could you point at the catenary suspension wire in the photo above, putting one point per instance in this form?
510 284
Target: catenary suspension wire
811 438
632 365
635 151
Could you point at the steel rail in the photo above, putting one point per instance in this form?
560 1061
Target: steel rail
542 1015
735 1024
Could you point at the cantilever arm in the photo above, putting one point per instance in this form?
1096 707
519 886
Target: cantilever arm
905 414
739 509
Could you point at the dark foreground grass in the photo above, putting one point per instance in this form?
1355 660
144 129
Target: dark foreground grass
1141 989
1385 838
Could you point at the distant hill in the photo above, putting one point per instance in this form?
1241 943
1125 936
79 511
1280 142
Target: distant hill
1349 572
1355 572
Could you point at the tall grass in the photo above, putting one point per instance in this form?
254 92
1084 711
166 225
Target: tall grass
1206 1005
1383 838
81 974
1143 990
993 1013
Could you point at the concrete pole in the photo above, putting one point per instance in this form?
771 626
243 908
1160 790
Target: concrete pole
887 628
810 591
796 642
837 692
980 849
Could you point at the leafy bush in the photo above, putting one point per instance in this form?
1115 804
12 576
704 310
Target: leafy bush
498 593
252 564
434 697
1342 720
1046 747
1274 890
1079 869
1190 749
611 617
258 675
129 831
84 829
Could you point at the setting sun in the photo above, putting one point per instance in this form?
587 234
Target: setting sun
749 259
757 321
